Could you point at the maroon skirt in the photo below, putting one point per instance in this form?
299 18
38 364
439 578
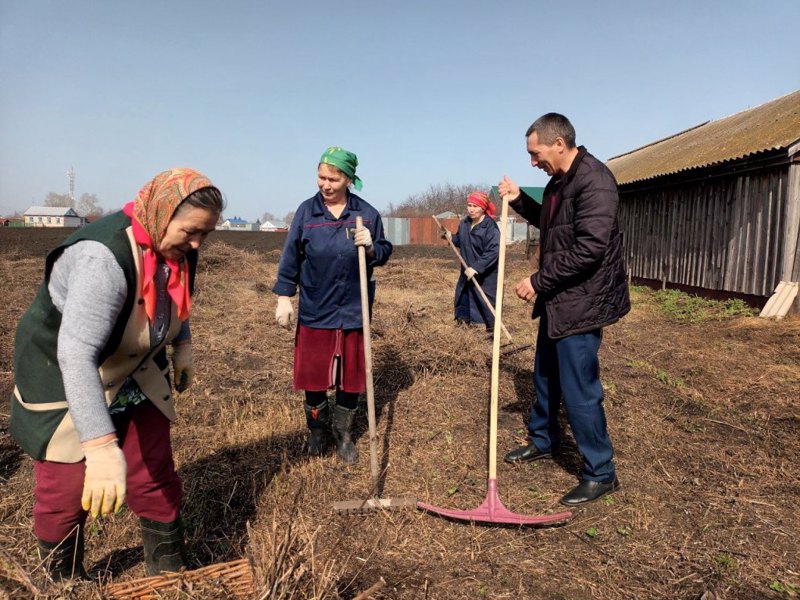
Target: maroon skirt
326 358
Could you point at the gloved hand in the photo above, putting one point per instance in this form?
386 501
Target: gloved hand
182 365
363 237
446 235
104 485
470 272
284 312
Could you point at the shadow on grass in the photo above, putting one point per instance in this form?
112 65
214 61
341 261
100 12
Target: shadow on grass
116 563
566 454
10 457
392 374
222 490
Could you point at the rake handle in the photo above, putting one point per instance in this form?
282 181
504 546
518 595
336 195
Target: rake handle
501 271
474 281
373 438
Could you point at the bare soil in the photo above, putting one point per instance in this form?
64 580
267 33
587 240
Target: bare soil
704 416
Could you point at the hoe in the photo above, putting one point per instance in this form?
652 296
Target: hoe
492 509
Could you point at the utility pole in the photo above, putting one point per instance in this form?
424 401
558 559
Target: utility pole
71 178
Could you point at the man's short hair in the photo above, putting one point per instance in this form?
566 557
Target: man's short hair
551 126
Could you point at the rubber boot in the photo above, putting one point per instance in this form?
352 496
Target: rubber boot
163 546
64 559
318 419
342 430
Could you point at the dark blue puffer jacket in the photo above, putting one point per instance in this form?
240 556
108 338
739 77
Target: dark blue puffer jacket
581 282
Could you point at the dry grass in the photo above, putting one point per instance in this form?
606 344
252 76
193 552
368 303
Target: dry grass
704 417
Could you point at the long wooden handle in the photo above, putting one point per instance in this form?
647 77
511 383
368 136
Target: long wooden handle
501 268
373 438
474 281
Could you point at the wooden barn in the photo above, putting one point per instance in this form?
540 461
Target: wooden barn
717 207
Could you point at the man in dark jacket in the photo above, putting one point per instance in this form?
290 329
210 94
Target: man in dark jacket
579 289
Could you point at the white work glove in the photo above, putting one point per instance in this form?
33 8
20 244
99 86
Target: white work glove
363 237
104 485
284 312
182 366
470 272
446 235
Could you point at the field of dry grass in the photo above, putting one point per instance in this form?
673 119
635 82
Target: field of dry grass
702 405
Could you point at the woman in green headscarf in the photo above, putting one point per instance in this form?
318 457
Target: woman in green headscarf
320 257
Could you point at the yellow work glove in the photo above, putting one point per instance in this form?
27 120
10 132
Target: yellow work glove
470 272
284 312
445 235
104 485
182 365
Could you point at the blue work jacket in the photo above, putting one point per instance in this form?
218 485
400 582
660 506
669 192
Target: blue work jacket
319 255
480 249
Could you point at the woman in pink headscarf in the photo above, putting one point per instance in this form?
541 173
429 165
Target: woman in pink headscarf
478 238
93 403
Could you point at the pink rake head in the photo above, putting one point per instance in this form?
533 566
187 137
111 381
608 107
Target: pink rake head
493 511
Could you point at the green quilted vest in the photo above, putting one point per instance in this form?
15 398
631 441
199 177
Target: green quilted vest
40 420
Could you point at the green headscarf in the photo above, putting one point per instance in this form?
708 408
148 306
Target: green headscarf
345 161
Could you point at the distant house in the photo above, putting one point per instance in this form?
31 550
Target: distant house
273 226
717 206
238 224
52 216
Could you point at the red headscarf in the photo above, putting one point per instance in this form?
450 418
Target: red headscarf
150 214
482 200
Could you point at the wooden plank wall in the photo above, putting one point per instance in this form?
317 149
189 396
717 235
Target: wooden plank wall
791 266
725 233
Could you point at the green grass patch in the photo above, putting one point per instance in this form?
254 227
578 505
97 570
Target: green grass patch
790 590
681 307
725 562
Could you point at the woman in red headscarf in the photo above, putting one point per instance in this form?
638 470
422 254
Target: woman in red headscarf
92 403
478 238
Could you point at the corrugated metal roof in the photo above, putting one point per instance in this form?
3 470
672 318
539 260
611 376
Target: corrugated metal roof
50 211
771 126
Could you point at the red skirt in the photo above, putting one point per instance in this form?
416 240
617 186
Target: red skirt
326 358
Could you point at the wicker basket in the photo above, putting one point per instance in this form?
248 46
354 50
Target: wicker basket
235 579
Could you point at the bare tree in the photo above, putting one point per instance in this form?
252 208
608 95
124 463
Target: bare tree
289 218
435 200
267 216
54 199
89 206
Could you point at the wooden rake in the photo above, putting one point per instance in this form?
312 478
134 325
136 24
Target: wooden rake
373 503
492 509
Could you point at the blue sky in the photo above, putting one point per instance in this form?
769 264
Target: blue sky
424 92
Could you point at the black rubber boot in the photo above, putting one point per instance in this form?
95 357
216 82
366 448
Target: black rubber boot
318 419
342 429
163 546
63 560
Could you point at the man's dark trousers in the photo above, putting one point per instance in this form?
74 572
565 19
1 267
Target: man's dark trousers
569 368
